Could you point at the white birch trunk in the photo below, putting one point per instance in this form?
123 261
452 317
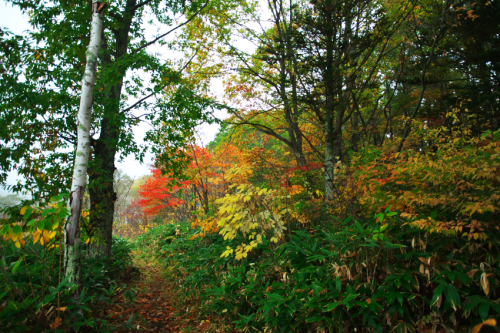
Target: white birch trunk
72 226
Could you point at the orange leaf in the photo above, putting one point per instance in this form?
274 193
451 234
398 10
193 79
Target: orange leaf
56 323
489 322
485 284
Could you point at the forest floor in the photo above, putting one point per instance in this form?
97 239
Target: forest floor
150 303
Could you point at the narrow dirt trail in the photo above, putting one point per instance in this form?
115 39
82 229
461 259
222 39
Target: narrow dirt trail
145 305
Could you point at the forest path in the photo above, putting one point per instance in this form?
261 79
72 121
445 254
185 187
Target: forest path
149 304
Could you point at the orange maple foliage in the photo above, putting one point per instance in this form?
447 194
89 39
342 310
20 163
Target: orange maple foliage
161 192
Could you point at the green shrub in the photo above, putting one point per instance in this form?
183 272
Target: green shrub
156 238
367 277
33 285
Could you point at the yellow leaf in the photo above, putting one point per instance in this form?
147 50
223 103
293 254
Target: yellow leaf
36 236
18 245
14 236
46 236
23 210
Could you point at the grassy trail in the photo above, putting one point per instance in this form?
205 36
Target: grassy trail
150 303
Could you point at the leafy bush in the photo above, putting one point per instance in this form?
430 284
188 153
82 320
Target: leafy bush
452 188
371 276
156 238
101 275
34 293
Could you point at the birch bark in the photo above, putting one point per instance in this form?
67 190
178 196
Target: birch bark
72 226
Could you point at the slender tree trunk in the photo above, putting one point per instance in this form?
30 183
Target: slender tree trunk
205 200
329 132
72 227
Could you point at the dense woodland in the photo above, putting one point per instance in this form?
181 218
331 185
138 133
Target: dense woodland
354 185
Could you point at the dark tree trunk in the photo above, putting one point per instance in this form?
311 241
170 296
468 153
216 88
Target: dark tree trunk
102 194
101 189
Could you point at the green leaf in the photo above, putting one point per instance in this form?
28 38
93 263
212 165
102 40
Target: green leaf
28 213
41 224
48 224
63 282
63 213
314 319
452 296
5 229
49 211
17 229
403 327
437 293
451 276
3 294
464 278
338 284
276 297
332 306
16 266
359 227
130 319
484 309
315 289
49 298
57 198
349 298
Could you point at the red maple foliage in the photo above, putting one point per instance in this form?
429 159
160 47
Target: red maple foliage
161 192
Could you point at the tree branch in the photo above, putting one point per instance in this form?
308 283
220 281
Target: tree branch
172 30
144 3
263 129
154 92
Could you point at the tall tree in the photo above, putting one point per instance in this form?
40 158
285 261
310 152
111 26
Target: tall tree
39 89
72 227
339 38
271 77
